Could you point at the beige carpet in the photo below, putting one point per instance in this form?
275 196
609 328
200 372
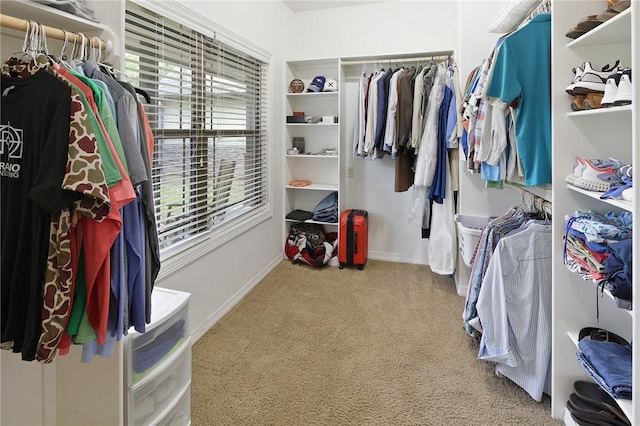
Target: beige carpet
382 346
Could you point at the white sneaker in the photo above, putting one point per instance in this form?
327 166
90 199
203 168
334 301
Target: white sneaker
611 90
577 74
578 169
625 89
592 80
598 175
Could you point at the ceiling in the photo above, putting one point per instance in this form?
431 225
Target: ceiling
307 5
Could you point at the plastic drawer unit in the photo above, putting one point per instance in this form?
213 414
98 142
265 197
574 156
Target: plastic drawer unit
158 363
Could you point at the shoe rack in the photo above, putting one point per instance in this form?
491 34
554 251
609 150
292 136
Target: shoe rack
596 133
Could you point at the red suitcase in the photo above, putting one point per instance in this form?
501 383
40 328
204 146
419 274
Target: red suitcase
354 235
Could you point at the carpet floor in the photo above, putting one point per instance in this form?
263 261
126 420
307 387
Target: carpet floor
382 346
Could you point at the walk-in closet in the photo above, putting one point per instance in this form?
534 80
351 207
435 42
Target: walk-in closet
177 178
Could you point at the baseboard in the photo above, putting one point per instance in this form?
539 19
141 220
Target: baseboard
390 257
220 312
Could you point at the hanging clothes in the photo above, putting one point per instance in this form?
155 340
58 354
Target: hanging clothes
514 308
37 197
90 240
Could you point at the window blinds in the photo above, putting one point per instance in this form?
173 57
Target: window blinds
208 109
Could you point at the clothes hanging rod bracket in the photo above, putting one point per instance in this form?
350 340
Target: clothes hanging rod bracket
21 25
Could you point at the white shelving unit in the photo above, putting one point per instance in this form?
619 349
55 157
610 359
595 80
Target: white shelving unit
600 133
322 170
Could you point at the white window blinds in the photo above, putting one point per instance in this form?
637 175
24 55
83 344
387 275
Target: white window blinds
208 112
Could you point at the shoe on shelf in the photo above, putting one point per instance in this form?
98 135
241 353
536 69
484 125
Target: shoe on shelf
577 73
607 14
625 89
598 175
575 32
586 79
578 168
592 80
589 22
611 89
577 102
619 5
592 101
625 171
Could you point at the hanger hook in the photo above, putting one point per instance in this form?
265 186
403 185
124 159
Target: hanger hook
98 45
65 43
43 38
25 42
81 52
32 36
74 48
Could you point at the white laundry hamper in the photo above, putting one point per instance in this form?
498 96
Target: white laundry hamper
469 231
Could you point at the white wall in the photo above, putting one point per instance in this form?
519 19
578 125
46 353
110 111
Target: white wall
215 279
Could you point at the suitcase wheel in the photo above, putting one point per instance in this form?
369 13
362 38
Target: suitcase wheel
341 265
360 267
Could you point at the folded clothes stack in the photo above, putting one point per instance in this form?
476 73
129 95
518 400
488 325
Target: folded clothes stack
599 247
327 209
75 7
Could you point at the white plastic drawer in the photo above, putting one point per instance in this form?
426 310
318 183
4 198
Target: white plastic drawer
160 392
151 349
181 413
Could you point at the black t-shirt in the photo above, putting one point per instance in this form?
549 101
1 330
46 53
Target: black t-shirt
34 125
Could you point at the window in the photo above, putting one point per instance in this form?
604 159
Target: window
208 110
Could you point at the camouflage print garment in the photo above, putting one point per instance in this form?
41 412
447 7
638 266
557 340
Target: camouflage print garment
84 174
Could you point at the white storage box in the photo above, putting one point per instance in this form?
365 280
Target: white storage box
469 230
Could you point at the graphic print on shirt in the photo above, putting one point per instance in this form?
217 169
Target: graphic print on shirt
11 142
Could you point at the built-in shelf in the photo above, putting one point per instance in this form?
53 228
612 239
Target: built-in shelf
311 156
313 94
25 9
622 204
315 187
313 221
313 125
614 31
599 111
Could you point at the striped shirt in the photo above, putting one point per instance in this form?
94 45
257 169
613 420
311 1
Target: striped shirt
514 307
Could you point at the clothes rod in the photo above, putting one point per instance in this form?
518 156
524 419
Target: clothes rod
21 25
398 60
546 204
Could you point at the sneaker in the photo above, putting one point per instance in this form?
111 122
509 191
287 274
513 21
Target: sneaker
592 101
577 73
577 102
591 80
578 168
624 94
625 171
586 79
611 89
598 175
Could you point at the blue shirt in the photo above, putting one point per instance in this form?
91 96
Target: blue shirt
522 72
